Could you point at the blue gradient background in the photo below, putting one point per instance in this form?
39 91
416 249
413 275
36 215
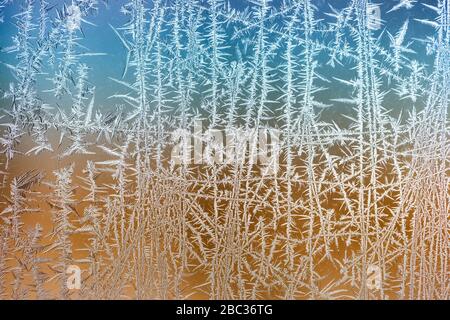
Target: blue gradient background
101 39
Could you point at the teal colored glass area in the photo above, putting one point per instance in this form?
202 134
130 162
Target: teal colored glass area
95 36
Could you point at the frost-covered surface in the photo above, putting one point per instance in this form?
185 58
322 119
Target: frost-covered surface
359 205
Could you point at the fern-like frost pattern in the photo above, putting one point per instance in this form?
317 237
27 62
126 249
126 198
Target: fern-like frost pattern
332 181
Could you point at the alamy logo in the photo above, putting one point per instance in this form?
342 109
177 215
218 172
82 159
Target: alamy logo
73 18
73 281
374 16
373 277
229 146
